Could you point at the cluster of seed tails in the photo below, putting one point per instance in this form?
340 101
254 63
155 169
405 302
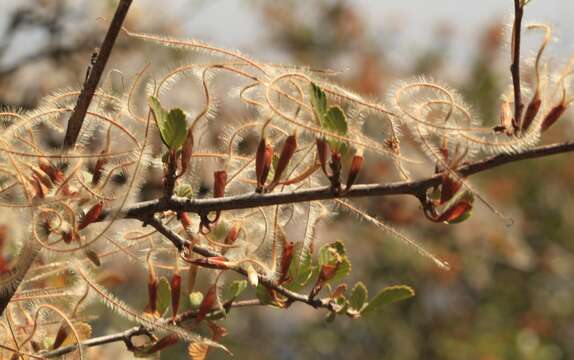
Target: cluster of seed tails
62 227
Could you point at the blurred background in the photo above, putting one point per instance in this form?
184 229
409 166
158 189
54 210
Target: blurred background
510 294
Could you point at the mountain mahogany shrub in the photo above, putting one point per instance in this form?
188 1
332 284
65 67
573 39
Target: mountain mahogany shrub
65 224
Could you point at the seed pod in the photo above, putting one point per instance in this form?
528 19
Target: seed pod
356 165
214 262
323 153
98 169
206 304
61 336
92 215
263 160
231 236
68 236
286 258
185 220
449 188
219 183
455 213
152 285
186 151
287 152
175 293
553 116
336 166
531 112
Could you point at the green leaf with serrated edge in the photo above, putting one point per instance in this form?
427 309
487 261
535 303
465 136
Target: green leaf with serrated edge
234 289
335 121
359 297
318 102
172 126
301 270
195 299
163 295
389 295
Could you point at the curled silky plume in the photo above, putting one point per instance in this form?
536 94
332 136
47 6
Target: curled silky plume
186 150
356 165
91 216
263 160
553 116
287 152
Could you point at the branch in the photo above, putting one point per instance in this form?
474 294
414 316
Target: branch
253 200
77 118
125 336
515 66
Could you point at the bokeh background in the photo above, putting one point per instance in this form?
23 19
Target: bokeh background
510 294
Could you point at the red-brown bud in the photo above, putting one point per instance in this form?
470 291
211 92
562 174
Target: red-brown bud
98 169
185 220
186 151
207 304
92 215
263 160
553 116
54 173
286 258
61 336
175 293
152 285
454 213
219 183
323 153
531 112
449 188
356 165
287 152
214 262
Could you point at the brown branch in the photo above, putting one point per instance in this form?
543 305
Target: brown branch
85 98
515 66
125 336
252 200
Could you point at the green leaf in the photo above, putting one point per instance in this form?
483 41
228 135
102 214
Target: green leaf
333 254
359 296
163 295
301 270
263 295
184 190
318 102
195 299
172 126
389 295
233 290
335 121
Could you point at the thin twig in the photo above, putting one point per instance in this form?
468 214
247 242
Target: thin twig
253 200
85 98
515 66
124 336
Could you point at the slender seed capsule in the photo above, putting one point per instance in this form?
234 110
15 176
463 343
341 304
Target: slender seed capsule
531 112
287 152
356 165
206 304
286 258
553 116
263 160
323 154
185 220
175 293
152 285
92 215
219 183
186 151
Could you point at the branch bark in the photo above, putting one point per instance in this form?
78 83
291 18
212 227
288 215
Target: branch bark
90 85
144 210
515 66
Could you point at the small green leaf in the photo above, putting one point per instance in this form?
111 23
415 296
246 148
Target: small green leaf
359 296
318 102
195 299
263 295
335 254
172 126
184 190
301 271
389 295
233 290
335 121
163 295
